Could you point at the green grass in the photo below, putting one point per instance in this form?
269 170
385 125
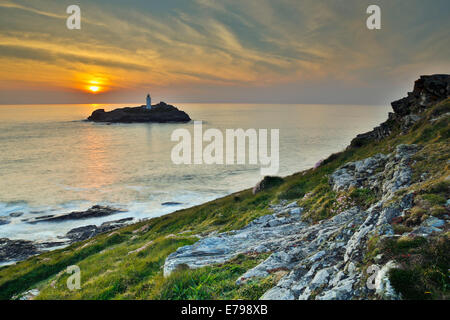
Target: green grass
212 282
424 272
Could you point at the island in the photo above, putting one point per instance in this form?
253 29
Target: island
158 113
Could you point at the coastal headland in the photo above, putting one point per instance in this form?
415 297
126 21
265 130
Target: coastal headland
370 222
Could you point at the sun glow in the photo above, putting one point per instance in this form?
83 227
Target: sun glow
92 83
94 88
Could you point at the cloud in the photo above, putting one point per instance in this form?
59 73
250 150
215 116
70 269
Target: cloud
52 57
225 44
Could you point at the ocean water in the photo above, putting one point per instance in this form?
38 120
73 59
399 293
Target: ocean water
53 162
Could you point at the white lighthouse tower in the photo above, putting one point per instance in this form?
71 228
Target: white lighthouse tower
149 102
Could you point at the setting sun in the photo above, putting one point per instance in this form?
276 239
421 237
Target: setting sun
94 88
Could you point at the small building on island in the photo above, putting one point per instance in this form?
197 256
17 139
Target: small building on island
149 102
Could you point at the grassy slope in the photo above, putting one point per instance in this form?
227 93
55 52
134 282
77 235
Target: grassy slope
110 270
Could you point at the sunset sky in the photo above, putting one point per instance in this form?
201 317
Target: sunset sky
283 51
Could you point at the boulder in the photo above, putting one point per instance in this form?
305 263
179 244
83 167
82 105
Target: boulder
15 250
89 231
267 183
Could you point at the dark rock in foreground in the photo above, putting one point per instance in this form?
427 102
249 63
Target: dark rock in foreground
16 250
11 250
93 212
160 113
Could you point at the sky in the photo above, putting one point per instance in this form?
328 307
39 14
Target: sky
243 51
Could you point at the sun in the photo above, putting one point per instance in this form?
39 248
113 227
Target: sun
93 84
94 88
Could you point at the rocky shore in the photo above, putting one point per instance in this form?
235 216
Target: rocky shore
13 250
93 212
160 113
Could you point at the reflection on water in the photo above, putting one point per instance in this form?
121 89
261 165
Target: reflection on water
97 173
52 162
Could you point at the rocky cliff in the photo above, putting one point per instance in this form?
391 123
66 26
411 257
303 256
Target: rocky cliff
428 90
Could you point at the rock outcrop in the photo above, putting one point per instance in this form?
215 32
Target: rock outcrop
86 232
160 113
321 260
16 250
428 90
266 183
93 212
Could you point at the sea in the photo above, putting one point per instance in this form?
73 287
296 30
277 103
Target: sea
54 162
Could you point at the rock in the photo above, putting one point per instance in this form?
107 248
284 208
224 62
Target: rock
424 231
321 277
427 91
93 212
342 292
433 222
4 220
112 225
409 120
15 214
16 250
278 294
160 113
393 172
82 233
267 183
86 232
171 203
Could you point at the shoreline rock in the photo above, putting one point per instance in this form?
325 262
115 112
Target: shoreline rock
89 231
93 212
16 250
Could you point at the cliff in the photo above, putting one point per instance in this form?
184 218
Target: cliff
160 113
428 90
370 222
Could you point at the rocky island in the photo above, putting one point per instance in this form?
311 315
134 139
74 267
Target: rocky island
159 113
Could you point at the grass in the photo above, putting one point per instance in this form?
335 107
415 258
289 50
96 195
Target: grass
112 269
424 272
212 282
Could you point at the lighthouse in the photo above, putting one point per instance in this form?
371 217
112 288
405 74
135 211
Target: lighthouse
149 102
